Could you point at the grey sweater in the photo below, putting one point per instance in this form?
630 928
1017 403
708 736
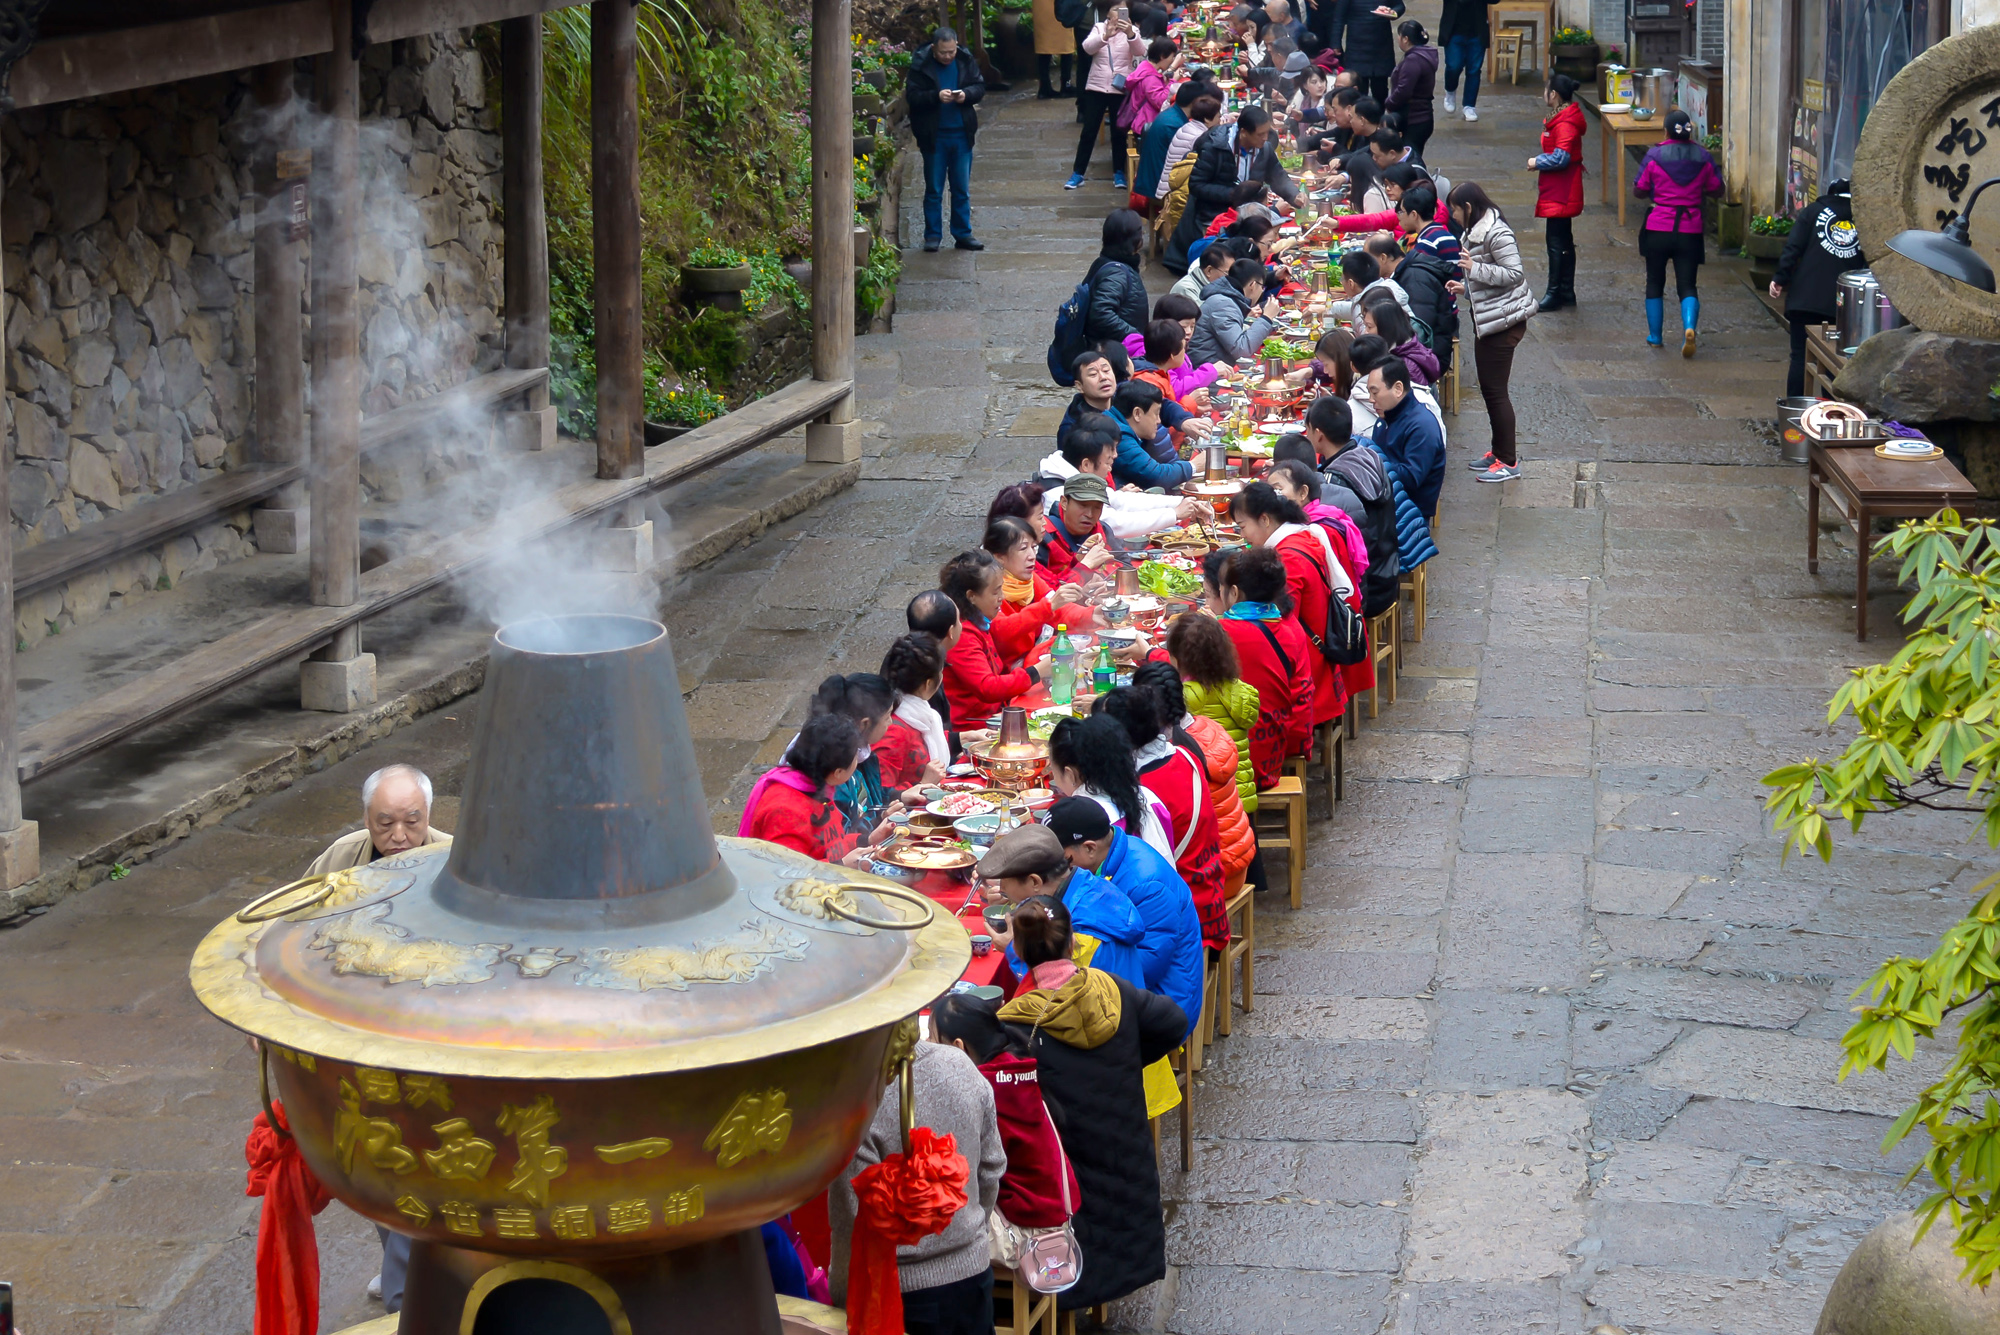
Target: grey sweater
952 1098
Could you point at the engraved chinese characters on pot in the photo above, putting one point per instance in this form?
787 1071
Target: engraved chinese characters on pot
366 1132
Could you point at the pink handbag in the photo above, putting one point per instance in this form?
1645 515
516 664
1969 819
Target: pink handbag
1050 1259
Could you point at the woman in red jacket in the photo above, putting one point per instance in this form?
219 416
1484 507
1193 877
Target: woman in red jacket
1559 194
1312 575
792 803
1029 603
977 681
1177 779
1245 591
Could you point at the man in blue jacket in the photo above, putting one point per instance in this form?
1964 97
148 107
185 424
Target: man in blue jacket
1142 440
1407 435
1029 861
1171 946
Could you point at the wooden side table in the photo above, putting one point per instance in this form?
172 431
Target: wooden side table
1541 13
1863 487
1621 129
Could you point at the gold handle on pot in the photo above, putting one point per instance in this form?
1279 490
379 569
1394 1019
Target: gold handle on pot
906 1076
924 902
264 1089
323 886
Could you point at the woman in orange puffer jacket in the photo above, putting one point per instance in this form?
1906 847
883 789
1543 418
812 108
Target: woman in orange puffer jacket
1215 752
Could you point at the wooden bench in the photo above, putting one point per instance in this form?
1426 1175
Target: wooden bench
1239 957
1286 800
289 634
1029 1313
481 394
146 524
1385 645
1414 585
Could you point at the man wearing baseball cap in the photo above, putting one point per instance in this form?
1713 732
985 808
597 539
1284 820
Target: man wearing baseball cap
1074 526
1170 949
1029 861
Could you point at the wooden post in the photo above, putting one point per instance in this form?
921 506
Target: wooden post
20 840
527 235
279 387
836 437
614 203
339 677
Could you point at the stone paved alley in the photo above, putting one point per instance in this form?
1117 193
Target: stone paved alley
1552 1041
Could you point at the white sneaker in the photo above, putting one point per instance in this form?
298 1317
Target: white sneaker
1472 113
1450 100
375 1287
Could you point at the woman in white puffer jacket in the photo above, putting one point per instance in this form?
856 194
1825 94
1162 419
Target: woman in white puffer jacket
1496 287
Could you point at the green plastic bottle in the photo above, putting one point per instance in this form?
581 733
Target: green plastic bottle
1103 673
1062 677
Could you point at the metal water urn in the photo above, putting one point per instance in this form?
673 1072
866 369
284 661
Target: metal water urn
1850 298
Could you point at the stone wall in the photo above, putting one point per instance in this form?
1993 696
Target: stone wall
127 225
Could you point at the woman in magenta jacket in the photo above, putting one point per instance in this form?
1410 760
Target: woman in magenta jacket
1559 194
1677 175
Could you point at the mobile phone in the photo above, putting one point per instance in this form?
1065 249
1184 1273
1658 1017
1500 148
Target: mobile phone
6 1308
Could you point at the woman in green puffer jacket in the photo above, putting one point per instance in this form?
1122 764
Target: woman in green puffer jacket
1202 652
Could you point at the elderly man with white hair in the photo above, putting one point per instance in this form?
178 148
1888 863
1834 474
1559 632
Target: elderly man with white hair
396 802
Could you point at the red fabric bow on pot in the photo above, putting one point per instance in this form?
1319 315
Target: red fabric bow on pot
287 1247
898 1201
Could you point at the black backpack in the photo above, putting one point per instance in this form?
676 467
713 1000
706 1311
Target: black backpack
1069 340
1346 640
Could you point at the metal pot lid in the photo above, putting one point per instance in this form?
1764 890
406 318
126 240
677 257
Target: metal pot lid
586 922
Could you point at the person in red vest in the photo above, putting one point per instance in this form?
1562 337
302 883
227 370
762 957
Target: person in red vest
1312 575
1178 780
1245 590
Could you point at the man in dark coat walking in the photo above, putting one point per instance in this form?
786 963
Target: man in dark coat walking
941 89
1234 164
1361 31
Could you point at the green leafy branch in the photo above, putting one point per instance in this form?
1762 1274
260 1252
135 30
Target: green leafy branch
1926 735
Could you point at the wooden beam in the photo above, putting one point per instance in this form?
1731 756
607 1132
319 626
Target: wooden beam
93 64
526 239
284 636
479 394
278 386
145 524
335 478
10 785
832 201
614 217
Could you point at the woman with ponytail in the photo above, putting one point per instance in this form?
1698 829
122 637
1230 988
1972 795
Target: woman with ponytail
1411 86
792 804
1244 588
1559 193
865 700
1677 175
916 749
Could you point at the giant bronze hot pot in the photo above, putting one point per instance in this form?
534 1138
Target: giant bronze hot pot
588 1045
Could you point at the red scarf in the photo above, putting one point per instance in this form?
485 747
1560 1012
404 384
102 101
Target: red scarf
287 1250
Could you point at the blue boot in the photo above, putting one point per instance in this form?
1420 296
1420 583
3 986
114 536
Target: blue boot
1656 313
1690 317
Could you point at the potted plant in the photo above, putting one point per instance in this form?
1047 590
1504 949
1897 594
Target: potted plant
1926 736
1574 51
1766 240
716 276
867 100
676 405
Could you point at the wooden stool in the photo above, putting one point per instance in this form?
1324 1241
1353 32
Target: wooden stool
1448 387
1415 585
1100 1314
1385 644
1241 910
1285 801
1353 717
1333 761
1507 53
1033 1313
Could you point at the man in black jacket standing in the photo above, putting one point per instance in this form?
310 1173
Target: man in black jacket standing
941 90
1234 164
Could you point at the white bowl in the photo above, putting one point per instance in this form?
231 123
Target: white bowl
1618 108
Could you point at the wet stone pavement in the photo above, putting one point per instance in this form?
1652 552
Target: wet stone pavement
1552 1041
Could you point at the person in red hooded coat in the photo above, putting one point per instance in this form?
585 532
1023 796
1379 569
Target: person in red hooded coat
1559 193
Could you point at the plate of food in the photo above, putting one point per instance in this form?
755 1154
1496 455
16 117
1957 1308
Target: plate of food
934 853
1043 721
960 804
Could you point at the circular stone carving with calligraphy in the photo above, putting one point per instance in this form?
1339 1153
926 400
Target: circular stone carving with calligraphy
1926 146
